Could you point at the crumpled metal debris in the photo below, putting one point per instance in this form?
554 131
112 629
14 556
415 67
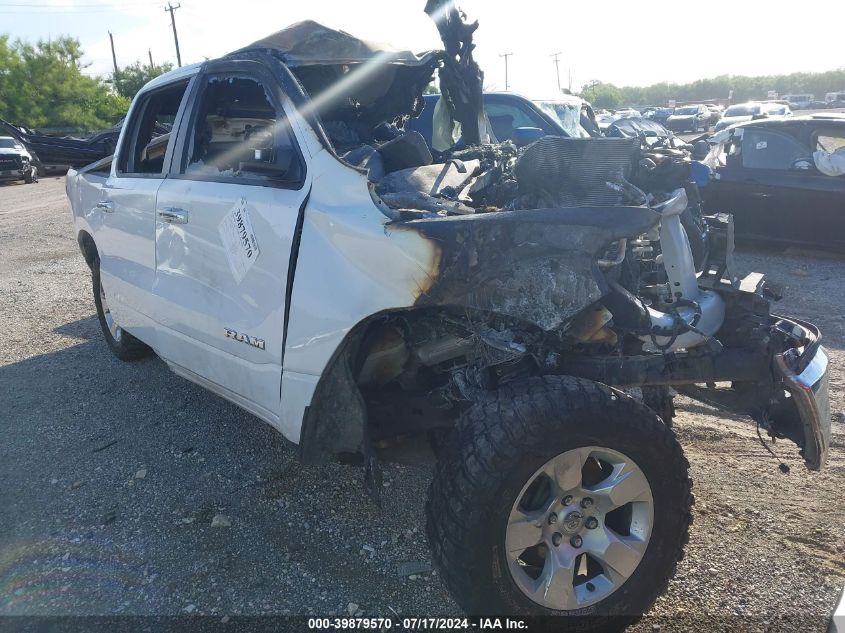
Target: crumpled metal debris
461 78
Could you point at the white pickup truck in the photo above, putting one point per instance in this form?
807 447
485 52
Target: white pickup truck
16 161
291 248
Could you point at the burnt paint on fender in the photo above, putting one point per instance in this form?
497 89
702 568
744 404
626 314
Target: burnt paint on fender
534 265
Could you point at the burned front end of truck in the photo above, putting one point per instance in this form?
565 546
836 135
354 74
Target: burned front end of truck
585 257
568 288
595 261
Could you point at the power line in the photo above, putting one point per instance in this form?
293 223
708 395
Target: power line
113 56
557 69
506 55
171 9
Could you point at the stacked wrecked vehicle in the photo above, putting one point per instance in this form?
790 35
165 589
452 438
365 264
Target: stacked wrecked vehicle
530 310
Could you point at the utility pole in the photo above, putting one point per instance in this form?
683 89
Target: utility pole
506 55
557 69
150 51
113 56
171 9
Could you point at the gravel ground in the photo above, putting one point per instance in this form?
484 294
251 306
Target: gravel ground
127 490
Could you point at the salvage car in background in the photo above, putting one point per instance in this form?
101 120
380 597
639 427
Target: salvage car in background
715 113
635 127
661 115
293 248
780 180
799 101
508 112
753 110
776 109
52 150
835 99
16 162
691 118
626 113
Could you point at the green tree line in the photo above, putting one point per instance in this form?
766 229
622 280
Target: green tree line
606 95
42 85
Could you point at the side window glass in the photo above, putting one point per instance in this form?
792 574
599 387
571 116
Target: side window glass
762 149
144 148
239 134
830 140
504 119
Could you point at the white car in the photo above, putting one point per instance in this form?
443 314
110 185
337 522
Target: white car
284 248
605 119
627 113
742 112
16 161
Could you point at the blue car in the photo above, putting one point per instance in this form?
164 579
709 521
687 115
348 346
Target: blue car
513 118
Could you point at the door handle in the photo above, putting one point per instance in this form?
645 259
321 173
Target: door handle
106 205
173 216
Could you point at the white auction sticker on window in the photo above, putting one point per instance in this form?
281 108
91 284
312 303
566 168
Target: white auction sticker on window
239 240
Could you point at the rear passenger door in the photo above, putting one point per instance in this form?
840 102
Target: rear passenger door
762 187
225 221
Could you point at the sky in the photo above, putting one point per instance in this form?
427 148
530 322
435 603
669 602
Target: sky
626 43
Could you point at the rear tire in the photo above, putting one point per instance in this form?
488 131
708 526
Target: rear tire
484 475
122 344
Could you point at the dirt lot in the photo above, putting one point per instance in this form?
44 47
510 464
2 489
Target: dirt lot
127 490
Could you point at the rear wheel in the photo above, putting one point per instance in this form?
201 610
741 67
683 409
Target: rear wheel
559 497
122 344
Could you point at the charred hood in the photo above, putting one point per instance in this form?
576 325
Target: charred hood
535 265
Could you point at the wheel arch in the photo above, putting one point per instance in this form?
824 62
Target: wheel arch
336 420
88 247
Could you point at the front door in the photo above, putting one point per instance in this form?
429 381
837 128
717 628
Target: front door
225 221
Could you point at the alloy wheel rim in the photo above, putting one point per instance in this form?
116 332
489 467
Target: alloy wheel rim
111 324
579 528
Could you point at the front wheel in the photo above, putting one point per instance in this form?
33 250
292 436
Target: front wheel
559 496
122 344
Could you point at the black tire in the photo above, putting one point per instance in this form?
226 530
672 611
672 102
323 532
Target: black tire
661 401
499 444
125 346
36 162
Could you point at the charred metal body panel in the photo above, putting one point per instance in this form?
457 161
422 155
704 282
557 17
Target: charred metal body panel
537 266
